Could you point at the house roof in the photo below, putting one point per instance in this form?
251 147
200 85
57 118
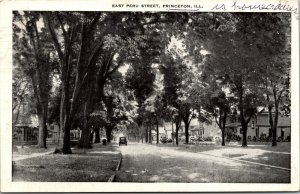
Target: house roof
232 125
194 122
23 125
24 119
263 121
283 121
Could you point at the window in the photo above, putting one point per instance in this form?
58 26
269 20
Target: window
49 135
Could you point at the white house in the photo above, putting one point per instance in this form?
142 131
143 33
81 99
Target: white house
259 126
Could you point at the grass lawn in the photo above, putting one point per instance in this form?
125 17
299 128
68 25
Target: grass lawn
84 165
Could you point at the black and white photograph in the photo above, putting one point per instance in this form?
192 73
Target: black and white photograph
174 96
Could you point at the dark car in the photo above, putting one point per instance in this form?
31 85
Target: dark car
122 140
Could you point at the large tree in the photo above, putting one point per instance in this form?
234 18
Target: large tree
244 37
275 70
170 68
34 53
83 40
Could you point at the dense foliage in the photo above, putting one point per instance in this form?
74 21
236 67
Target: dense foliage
107 70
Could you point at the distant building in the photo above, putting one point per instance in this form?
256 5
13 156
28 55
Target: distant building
259 126
25 134
161 133
54 134
25 130
196 129
210 130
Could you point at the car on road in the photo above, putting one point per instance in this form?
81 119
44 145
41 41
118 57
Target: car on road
122 140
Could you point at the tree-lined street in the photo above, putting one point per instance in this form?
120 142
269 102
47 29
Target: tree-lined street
81 79
149 163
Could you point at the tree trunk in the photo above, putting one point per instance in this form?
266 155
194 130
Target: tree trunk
223 127
157 133
223 137
92 135
150 133
244 129
186 127
18 113
172 136
85 135
274 136
61 115
146 138
42 131
176 134
108 133
97 135
274 127
241 108
67 144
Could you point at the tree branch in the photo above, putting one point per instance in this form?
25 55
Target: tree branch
57 45
218 123
94 22
61 26
191 116
247 121
107 66
114 69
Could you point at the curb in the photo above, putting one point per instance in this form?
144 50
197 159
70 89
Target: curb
119 163
112 177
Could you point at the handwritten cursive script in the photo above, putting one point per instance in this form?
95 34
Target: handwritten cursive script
271 6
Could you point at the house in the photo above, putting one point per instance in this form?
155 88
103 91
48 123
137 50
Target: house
169 129
25 128
25 131
263 126
161 133
54 134
25 134
209 129
259 127
196 129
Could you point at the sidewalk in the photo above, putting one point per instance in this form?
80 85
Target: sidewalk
84 165
265 155
17 157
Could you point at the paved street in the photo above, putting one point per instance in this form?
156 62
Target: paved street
149 163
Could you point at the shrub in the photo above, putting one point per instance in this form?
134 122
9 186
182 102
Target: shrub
209 138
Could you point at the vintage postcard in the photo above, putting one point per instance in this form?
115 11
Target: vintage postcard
149 96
